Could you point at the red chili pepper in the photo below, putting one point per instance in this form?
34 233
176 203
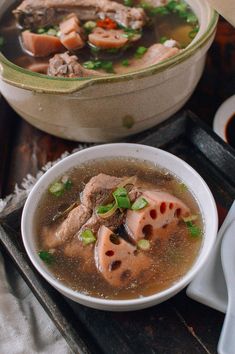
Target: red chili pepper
107 23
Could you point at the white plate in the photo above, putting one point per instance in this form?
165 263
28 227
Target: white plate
209 286
222 116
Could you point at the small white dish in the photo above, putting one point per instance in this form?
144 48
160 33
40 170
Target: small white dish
209 286
222 117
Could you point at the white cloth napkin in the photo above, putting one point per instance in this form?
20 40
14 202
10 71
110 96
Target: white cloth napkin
25 328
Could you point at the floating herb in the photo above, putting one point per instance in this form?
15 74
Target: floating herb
140 51
163 39
46 257
192 34
88 237
58 188
139 204
99 64
89 26
190 218
194 230
128 2
144 245
125 62
102 209
122 199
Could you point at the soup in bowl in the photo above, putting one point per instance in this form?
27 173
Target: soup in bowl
114 70
119 227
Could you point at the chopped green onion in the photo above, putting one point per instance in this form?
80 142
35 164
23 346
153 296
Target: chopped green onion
191 18
194 230
128 2
120 192
140 51
41 30
88 237
144 245
109 213
192 34
172 5
113 50
162 10
52 32
68 185
125 62
190 218
89 26
57 189
98 64
139 204
163 39
122 199
46 257
107 66
102 209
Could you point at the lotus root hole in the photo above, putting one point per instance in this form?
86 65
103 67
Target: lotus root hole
114 239
163 207
147 231
109 253
153 214
178 212
115 265
171 206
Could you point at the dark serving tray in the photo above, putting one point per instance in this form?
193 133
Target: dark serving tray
179 325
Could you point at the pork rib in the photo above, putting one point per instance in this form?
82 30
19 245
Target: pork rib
40 13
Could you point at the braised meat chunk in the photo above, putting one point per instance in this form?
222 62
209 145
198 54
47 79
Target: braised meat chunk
65 65
41 13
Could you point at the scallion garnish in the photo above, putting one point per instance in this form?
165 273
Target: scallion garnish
193 229
122 199
46 257
139 204
128 2
41 30
140 51
125 62
190 218
163 39
143 244
102 209
89 26
88 237
59 187
99 64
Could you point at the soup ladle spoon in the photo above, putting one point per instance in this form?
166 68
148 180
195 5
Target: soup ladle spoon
227 338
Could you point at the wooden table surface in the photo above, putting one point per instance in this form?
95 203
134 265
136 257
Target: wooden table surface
24 149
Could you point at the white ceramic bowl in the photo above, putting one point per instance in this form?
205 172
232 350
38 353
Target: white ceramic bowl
109 108
159 157
222 117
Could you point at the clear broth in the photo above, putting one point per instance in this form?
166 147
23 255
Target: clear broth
171 260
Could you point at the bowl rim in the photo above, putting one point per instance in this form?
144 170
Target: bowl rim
20 77
109 303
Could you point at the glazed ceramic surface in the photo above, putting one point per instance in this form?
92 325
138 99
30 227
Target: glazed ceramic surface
162 159
106 109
